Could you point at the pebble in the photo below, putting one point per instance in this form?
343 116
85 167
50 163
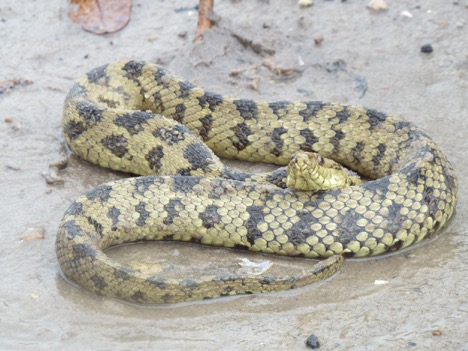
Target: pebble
312 342
18 127
377 5
52 178
427 49
336 66
406 14
318 40
380 282
305 3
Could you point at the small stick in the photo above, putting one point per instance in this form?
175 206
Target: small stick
205 9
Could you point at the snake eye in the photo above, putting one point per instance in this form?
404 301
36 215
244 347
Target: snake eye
320 160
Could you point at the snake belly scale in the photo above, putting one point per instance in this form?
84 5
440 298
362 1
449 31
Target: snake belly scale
138 118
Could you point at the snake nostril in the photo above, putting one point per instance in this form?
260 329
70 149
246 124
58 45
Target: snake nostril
319 160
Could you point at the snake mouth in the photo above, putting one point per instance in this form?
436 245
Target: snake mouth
309 171
306 172
307 162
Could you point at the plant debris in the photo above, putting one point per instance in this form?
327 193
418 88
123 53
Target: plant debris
205 14
256 46
32 233
12 83
100 16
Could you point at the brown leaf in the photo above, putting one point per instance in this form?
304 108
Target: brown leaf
33 233
100 16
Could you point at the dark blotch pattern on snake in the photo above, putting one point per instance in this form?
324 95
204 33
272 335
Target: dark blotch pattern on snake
138 118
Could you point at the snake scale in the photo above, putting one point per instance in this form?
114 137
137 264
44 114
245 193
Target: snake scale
136 117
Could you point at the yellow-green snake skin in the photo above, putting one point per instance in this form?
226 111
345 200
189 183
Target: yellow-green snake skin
114 117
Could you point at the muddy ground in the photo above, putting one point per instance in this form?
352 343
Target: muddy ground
270 50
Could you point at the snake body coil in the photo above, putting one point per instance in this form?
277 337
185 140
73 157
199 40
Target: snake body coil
114 117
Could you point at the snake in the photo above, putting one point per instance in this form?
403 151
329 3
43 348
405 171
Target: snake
137 117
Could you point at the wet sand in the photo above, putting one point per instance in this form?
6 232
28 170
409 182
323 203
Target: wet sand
264 50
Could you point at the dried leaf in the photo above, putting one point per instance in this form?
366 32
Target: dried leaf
33 233
100 16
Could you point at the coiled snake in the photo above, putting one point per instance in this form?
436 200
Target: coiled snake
114 117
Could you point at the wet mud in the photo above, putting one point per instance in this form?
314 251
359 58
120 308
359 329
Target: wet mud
266 50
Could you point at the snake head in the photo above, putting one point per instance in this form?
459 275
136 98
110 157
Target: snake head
308 171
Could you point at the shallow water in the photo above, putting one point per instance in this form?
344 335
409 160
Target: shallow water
427 286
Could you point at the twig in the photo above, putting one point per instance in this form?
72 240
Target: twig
205 9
